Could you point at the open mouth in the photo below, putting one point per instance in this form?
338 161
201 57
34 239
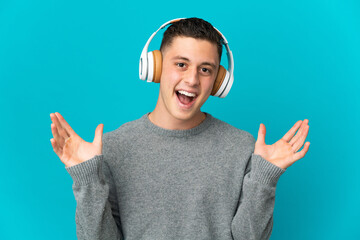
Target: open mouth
185 98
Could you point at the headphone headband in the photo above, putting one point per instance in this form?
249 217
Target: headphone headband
224 88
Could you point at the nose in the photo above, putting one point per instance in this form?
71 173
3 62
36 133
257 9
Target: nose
192 77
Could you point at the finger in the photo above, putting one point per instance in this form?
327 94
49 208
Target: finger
302 153
292 131
300 132
65 125
59 139
261 133
98 134
61 131
56 148
300 141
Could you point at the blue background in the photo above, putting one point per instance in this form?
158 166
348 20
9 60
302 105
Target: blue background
293 60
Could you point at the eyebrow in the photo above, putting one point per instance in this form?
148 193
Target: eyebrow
186 59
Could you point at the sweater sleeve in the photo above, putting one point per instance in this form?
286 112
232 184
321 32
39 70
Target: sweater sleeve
254 217
97 213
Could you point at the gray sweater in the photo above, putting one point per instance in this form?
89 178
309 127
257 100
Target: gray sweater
153 183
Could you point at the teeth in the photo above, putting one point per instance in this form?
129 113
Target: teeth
187 93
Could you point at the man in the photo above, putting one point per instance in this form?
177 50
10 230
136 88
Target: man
177 172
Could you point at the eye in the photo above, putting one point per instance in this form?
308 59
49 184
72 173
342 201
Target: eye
180 65
205 70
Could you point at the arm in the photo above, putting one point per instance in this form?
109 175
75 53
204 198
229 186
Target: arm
254 216
97 213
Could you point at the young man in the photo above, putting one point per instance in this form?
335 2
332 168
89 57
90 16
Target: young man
177 172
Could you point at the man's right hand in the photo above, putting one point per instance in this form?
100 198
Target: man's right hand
70 148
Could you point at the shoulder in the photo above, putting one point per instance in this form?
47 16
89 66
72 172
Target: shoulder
232 134
126 133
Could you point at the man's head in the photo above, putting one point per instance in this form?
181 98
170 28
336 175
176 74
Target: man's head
191 52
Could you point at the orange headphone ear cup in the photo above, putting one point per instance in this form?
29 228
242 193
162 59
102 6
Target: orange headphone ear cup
219 79
157 65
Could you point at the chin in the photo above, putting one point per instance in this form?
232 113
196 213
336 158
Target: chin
186 115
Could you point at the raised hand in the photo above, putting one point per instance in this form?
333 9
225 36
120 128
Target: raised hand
284 153
70 148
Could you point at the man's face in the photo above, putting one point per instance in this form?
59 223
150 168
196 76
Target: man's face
189 68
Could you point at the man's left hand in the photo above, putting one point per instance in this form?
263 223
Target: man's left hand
284 153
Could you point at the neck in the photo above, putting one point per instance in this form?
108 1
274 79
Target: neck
163 119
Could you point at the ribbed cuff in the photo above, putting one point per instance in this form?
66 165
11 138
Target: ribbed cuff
86 172
264 171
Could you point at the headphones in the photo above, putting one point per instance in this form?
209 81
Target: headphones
151 63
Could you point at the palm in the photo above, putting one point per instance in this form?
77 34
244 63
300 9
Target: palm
70 148
76 151
284 153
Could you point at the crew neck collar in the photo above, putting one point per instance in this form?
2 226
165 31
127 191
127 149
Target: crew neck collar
177 133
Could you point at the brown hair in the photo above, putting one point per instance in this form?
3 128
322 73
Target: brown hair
192 27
